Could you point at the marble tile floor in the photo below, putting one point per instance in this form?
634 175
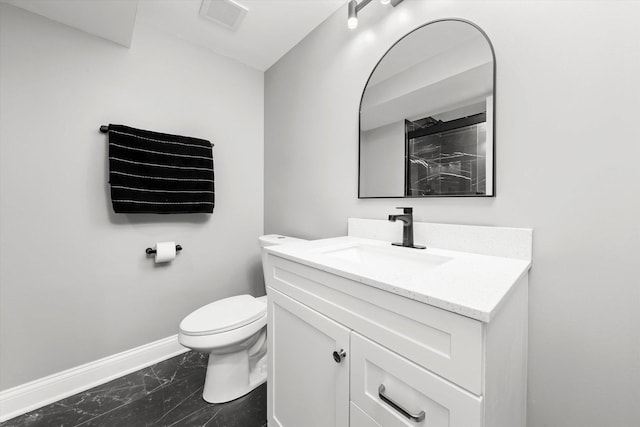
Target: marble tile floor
168 394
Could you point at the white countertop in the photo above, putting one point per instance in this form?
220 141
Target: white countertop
469 284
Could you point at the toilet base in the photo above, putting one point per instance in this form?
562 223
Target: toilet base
230 376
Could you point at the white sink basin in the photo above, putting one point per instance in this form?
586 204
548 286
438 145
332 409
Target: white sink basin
404 260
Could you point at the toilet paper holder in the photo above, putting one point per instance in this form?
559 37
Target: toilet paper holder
151 251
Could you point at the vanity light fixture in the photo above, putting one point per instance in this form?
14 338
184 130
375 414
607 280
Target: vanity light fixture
354 7
352 20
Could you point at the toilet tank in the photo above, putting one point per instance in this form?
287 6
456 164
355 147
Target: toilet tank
272 240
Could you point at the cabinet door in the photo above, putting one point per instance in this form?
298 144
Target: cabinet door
307 386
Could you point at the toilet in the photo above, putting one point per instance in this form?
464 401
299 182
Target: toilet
234 332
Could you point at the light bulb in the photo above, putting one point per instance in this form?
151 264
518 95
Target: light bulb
385 1
352 14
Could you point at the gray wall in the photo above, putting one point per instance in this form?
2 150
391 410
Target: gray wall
568 97
75 284
382 160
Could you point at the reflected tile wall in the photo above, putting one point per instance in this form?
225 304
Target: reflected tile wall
166 394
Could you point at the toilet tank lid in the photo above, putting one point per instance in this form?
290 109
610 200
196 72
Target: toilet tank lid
224 315
277 239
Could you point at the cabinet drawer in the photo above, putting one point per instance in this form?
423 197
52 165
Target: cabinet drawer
409 387
443 342
359 419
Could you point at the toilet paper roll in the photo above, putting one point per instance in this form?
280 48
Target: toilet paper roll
165 251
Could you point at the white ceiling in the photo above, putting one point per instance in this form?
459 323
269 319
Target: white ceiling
270 29
112 20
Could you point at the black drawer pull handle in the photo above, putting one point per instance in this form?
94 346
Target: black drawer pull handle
417 418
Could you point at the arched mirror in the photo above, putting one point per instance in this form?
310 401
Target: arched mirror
427 116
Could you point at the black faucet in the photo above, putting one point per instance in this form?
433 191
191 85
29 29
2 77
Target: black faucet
407 228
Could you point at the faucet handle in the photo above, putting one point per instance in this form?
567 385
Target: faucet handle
406 210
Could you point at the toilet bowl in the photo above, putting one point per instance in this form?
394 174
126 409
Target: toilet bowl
233 331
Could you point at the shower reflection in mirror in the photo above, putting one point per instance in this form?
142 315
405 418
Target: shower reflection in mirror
446 154
427 116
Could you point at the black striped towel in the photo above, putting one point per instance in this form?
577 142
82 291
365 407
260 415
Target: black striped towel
152 172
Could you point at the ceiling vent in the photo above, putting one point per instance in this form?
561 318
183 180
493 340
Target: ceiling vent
227 13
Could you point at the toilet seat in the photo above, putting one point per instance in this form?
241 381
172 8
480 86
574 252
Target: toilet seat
224 315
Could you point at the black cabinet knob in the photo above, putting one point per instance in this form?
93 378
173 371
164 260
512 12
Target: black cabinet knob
339 355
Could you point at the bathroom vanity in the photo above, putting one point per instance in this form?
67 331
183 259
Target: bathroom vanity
362 333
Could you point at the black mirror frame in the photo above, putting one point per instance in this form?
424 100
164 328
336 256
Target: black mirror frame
493 124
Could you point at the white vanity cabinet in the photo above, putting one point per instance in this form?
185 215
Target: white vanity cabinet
404 362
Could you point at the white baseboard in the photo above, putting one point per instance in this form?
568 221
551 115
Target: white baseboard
35 394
